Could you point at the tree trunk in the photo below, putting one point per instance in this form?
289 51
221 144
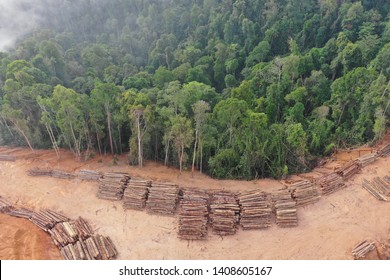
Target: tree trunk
109 127
52 139
166 153
181 155
24 136
201 157
140 164
194 156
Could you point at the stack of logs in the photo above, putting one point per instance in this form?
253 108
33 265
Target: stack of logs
89 175
62 174
362 249
285 208
330 183
367 159
379 188
21 213
47 219
4 206
304 192
136 194
255 210
163 198
224 213
112 186
193 214
39 172
384 151
349 169
7 157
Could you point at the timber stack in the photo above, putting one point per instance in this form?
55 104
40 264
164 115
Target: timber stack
193 214
384 151
39 172
62 174
163 198
362 249
5 207
112 185
136 194
255 210
330 183
23 213
379 188
367 159
4 157
349 169
224 213
89 175
47 219
285 208
304 192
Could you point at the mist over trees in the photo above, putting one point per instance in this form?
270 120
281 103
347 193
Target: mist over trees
234 88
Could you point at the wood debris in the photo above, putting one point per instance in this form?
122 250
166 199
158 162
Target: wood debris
379 188
330 183
255 210
193 214
349 169
384 151
163 198
304 192
62 174
367 159
112 185
224 213
362 249
4 157
5 207
285 208
136 194
89 175
39 172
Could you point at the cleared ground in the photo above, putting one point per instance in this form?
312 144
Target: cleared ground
327 230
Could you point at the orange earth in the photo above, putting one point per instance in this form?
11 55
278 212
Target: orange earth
328 229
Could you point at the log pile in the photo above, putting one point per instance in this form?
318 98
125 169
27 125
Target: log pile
94 248
89 175
193 215
112 186
362 249
163 198
39 172
349 169
4 157
304 192
4 206
136 194
255 210
285 208
384 151
63 234
62 174
224 213
20 213
47 219
330 183
367 159
379 188
82 228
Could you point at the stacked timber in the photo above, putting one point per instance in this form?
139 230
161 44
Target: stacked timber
4 157
112 186
136 194
47 219
20 213
94 248
285 208
362 249
83 228
255 210
39 172
379 188
193 214
304 192
4 206
62 174
224 213
163 198
63 234
384 151
330 183
349 169
89 175
367 159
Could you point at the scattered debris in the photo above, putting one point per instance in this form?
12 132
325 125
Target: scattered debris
362 249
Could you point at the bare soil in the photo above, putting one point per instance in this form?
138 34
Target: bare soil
328 229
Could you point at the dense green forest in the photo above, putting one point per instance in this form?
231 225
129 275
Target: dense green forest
234 88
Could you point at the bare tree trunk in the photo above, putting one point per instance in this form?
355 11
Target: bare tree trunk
120 139
52 139
181 155
194 156
5 122
201 158
140 164
24 136
109 127
76 144
166 153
